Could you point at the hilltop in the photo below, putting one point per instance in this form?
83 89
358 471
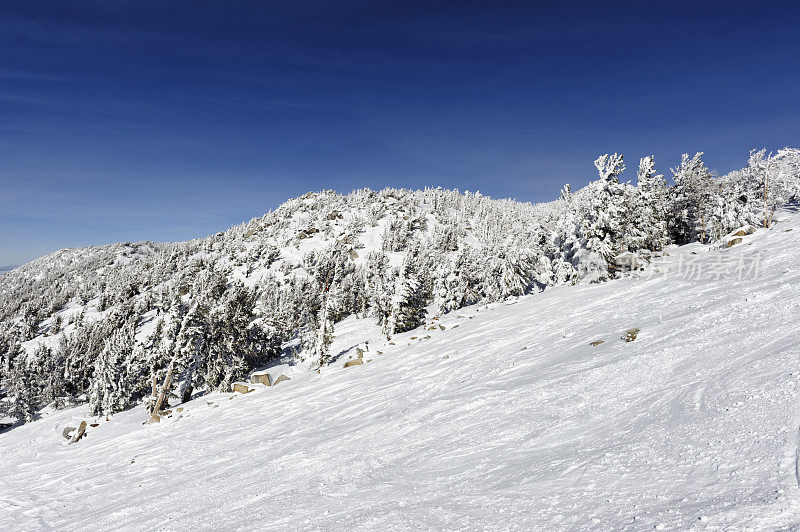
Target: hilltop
102 324
497 413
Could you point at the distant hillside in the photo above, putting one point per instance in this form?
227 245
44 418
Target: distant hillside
8 268
99 324
532 414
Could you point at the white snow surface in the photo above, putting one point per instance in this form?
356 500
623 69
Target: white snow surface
507 419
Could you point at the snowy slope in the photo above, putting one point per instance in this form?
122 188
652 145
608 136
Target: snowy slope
507 418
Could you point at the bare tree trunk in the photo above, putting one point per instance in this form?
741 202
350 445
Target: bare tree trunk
154 418
703 232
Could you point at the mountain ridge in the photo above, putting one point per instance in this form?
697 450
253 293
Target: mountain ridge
100 324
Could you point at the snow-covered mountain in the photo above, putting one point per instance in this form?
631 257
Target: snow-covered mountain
529 413
102 324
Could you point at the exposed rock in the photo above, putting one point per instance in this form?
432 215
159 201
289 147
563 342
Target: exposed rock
269 377
733 242
354 362
630 335
67 432
597 342
243 387
79 434
262 378
281 379
744 231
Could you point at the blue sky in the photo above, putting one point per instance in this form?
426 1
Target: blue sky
160 120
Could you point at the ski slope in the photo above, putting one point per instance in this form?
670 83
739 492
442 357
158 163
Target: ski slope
506 419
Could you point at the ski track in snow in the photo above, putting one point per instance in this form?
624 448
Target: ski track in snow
510 421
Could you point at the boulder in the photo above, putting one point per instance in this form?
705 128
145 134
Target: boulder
243 387
270 376
67 432
260 378
281 379
354 362
597 342
744 231
630 335
732 242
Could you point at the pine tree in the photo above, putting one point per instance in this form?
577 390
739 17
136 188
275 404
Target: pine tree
650 213
324 333
602 226
192 347
409 301
112 389
21 386
692 195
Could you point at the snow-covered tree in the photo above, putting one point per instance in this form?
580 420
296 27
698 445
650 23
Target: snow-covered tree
409 301
111 389
602 226
650 208
691 198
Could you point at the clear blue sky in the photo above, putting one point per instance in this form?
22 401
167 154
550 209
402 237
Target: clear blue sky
161 120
